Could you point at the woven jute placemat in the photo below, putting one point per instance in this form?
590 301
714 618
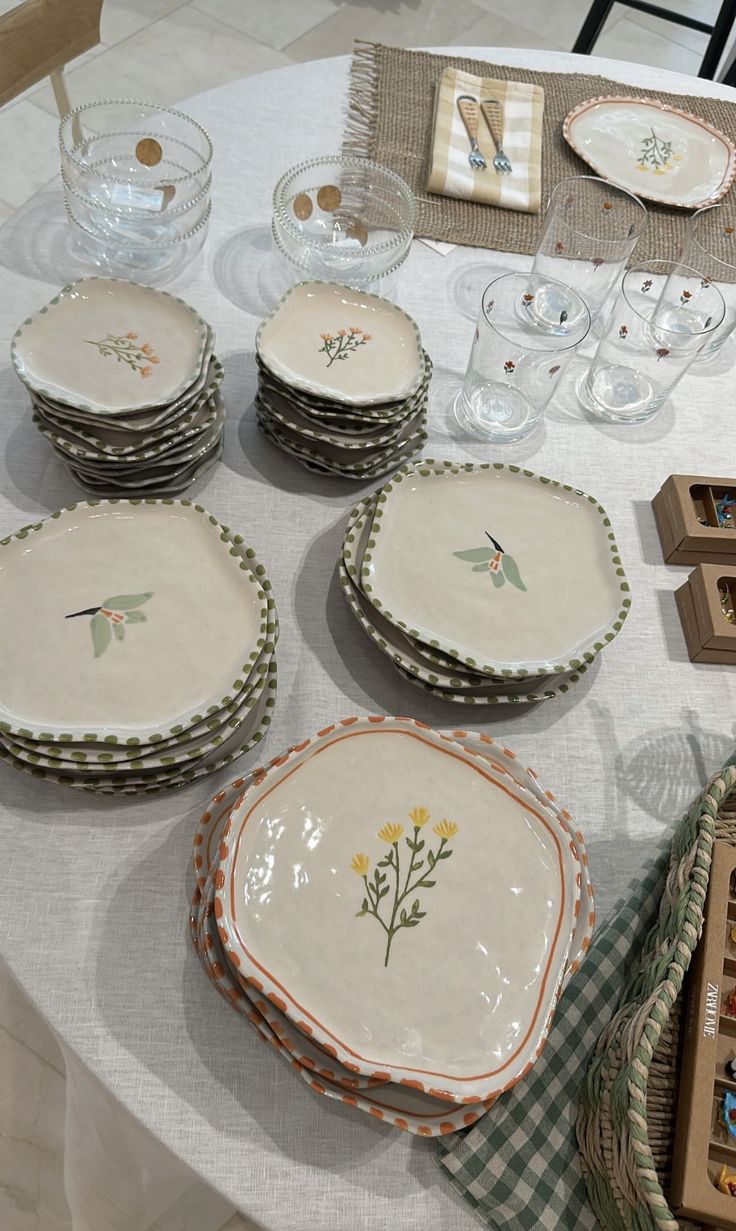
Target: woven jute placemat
391 109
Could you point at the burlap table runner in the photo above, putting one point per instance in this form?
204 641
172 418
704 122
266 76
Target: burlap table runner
390 116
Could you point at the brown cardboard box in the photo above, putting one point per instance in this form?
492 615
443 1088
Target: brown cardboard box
702 1144
678 506
697 631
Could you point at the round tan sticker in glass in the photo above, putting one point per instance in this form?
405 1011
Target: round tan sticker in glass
302 206
148 151
329 197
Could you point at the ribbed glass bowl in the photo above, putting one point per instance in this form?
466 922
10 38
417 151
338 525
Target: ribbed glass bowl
135 155
343 219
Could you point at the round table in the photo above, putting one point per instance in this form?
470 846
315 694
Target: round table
93 917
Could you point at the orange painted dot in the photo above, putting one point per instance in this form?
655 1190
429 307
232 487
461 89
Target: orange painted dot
470 1117
401 1124
353 1067
331 1051
424 1130
218 909
446 1127
415 1085
223 934
198 839
304 1027
348 1098
508 753
218 969
326 1073
376 1111
308 1062
381 1076
219 879
234 959
206 818
219 797
198 862
316 1086
254 983
276 1000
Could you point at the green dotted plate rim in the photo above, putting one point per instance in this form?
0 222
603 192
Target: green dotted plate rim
159 780
254 573
78 404
429 466
308 386
120 455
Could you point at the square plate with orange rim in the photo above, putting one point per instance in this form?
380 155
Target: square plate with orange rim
371 846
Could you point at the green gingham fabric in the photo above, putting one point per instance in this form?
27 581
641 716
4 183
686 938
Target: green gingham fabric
518 1167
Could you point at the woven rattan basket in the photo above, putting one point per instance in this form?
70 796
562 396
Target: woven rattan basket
629 1098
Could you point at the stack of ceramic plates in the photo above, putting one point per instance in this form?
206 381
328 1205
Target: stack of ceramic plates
384 894
137 649
342 381
124 386
484 584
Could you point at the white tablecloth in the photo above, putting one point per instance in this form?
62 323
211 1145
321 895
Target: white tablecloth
93 917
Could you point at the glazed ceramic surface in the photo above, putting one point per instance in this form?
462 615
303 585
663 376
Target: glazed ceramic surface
418 663
654 150
312 857
124 619
105 346
510 572
344 345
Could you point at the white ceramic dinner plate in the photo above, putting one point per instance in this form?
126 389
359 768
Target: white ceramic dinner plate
657 151
370 847
418 663
344 345
406 1108
108 346
124 619
509 572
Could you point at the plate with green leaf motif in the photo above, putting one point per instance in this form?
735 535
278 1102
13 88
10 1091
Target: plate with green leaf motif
509 572
125 619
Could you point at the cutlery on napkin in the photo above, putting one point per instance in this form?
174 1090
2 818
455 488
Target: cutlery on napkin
450 173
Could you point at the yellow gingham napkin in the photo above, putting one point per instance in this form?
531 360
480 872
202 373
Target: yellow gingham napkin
451 174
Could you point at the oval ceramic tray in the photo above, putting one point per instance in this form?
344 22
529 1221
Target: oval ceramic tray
657 151
370 930
511 573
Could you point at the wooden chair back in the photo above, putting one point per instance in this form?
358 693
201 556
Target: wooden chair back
38 37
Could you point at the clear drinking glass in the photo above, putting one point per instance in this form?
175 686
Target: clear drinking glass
663 317
590 229
710 247
515 365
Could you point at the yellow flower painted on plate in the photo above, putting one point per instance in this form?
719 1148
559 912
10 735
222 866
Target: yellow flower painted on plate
419 817
390 833
394 894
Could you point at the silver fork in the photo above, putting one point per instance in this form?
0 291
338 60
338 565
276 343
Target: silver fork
493 116
468 108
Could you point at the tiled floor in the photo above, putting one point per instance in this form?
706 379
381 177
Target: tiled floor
168 50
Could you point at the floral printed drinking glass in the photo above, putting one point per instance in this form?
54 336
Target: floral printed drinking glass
515 365
662 319
710 247
590 230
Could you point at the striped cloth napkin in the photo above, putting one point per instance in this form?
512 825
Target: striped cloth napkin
451 174
518 1167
